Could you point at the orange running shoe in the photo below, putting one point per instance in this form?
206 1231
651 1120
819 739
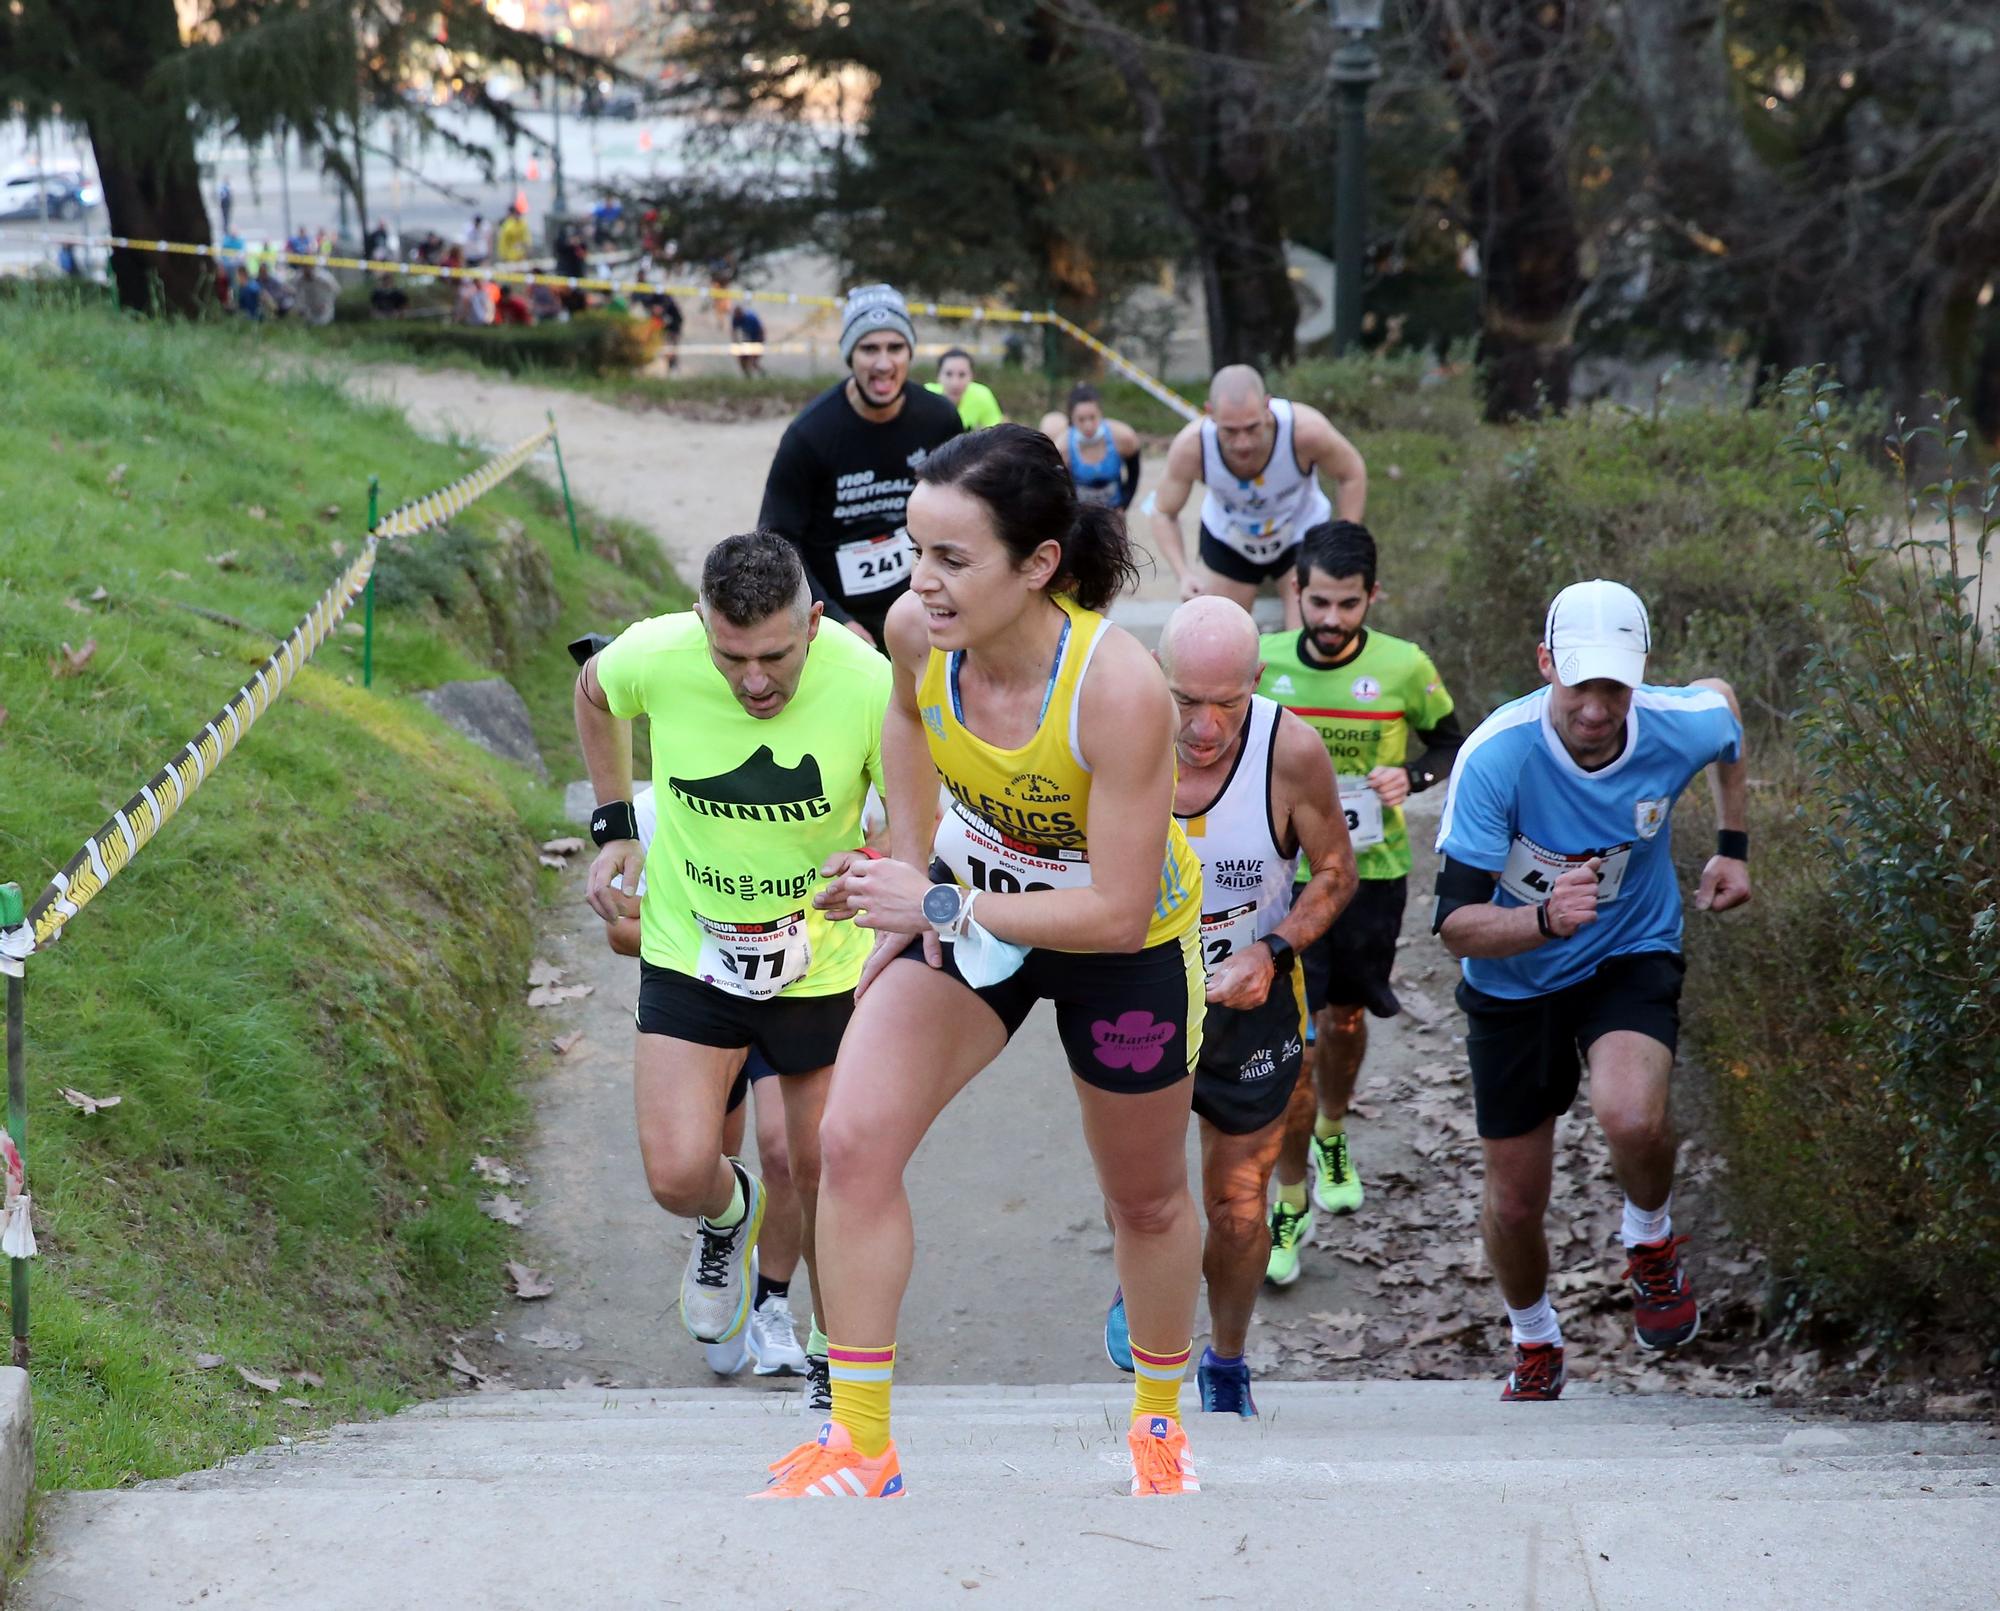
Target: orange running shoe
1161 1463
830 1467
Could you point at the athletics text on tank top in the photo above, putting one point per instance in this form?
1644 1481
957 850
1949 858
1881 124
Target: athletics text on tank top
1019 817
1263 515
1246 879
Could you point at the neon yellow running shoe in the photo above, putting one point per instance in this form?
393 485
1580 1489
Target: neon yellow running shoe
1336 1187
1290 1227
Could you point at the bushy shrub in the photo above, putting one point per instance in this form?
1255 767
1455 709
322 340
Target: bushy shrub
1687 508
603 343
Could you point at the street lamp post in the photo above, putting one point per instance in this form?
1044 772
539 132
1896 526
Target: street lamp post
1355 66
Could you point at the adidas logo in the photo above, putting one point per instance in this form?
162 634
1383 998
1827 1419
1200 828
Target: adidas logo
1283 685
1158 1426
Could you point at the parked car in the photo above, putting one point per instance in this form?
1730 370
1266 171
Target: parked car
69 195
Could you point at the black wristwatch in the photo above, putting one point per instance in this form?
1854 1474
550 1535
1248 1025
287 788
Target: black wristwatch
1282 954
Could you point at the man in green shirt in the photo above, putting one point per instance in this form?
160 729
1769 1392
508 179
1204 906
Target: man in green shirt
766 734
976 404
1367 695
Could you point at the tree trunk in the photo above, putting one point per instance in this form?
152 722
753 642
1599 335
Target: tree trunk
1512 69
144 145
1253 313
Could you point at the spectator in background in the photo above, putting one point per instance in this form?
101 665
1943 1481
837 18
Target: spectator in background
510 307
514 241
375 244
478 241
746 334
225 200
278 295
605 218
300 241
471 306
249 295
316 296
976 404
544 304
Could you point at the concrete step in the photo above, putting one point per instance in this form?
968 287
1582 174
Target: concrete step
1388 1495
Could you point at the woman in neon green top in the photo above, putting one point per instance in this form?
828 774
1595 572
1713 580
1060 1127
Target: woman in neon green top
976 404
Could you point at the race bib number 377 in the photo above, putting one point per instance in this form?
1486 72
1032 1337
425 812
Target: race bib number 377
756 960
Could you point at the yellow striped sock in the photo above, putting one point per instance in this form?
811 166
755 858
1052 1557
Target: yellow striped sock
1156 1380
861 1392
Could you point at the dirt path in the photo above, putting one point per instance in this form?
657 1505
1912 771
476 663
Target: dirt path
1013 1266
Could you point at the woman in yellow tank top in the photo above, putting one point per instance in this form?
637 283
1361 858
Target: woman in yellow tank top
1058 873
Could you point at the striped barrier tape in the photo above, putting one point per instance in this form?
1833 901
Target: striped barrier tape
433 509
1155 388
132 826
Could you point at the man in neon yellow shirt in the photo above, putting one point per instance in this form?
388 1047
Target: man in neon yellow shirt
976 404
1367 695
767 734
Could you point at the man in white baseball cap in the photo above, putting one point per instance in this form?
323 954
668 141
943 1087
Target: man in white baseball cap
1557 890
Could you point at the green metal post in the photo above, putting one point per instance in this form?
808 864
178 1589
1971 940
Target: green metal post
569 508
368 595
17 1103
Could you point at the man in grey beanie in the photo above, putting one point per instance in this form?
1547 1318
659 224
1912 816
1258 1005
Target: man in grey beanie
844 471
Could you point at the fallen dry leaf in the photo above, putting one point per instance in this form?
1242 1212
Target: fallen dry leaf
528 1284
267 1384
98 595
562 847
494 1172
548 1337
549 995
296 1403
179 576
71 660
503 1208
77 605
564 1044
226 561
255 511
339 548
308 1378
577 1384
89 1104
552 861
208 1361
459 1365
330 512
541 973
114 475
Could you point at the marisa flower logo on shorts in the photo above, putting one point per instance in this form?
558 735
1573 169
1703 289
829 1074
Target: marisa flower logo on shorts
1137 1041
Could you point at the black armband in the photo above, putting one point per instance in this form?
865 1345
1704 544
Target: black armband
615 819
581 649
1733 843
1459 885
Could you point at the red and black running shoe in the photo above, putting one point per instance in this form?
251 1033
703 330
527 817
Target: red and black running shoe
1664 1313
1537 1374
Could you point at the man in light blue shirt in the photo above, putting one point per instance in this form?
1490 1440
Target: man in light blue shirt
1557 888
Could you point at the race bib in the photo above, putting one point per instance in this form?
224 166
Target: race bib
981 857
1261 547
1532 870
1363 809
756 960
873 563
1223 934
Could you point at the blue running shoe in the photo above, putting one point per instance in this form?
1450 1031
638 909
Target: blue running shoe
1117 1334
1225 1386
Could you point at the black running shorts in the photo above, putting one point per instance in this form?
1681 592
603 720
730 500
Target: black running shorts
1527 1055
1250 1059
756 1066
1225 561
1130 1022
797 1034
1349 965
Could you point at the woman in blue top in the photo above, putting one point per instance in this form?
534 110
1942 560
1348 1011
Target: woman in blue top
1102 454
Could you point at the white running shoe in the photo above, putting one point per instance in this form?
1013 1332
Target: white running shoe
716 1286
774 1339
727 1358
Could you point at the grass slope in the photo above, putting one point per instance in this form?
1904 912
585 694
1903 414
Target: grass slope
306 990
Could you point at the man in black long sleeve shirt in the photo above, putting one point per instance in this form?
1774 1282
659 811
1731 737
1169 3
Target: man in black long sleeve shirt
845 469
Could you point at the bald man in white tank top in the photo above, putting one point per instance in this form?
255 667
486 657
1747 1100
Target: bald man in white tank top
1259 460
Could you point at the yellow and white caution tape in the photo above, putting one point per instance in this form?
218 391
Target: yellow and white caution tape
1151 385
132 826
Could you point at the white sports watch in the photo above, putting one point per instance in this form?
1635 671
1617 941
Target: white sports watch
948 909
